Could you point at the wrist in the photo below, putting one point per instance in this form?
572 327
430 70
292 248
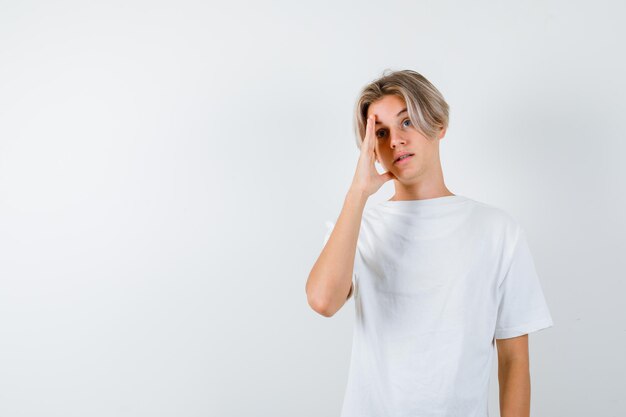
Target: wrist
357 193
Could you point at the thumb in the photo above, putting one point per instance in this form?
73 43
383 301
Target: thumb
388 176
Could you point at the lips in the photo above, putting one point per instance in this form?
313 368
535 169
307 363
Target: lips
401 155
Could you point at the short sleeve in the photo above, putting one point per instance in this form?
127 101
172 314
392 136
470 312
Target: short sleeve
329 228
522 307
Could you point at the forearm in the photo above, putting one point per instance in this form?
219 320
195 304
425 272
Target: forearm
514 384
331 276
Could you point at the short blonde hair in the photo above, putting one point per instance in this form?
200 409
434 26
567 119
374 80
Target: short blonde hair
428 111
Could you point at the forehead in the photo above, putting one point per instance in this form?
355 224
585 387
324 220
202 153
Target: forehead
386 107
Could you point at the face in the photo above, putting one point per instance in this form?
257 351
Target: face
395 135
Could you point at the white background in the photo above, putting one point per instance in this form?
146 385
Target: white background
167 168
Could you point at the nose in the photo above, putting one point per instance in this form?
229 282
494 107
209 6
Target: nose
395 139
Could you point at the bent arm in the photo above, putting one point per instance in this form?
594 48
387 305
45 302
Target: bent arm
329 284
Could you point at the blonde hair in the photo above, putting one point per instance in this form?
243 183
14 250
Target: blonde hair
428 111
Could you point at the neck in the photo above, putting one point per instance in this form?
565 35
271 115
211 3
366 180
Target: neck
429 184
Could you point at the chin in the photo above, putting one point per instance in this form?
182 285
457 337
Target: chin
406 174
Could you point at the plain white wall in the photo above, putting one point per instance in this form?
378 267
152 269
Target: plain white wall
166 170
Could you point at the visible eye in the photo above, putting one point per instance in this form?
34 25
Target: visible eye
406 120
379 131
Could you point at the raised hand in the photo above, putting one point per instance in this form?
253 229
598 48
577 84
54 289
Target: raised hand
366 178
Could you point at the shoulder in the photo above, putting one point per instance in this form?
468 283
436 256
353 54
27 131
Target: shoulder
498 224
495 216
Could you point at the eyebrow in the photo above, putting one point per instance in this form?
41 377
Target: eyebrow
399 113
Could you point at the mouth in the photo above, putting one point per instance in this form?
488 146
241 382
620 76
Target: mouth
403 158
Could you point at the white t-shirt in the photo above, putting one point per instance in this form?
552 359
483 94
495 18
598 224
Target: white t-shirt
435 282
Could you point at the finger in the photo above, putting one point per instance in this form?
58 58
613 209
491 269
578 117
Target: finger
372 142
370 132
365 142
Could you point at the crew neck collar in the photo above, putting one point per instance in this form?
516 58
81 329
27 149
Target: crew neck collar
427 202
